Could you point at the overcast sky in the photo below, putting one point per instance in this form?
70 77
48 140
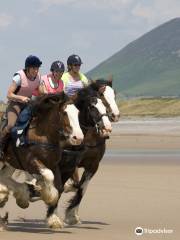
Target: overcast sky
55 29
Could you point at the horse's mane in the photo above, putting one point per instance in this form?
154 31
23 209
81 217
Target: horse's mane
84 95
47 102
96 84
86 92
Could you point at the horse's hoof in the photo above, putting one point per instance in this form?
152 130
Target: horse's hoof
22 204
22 196
54 222
3 223
73 220
3 227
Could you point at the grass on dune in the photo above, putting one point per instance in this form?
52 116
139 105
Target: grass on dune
144 107
155 107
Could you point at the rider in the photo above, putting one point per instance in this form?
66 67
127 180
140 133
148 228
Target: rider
73 79
52 83
19 93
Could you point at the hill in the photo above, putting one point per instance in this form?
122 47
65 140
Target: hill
148 66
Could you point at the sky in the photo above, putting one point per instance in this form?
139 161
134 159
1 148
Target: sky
55 29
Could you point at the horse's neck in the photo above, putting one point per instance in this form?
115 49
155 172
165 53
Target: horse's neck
85 118
92 137
43 129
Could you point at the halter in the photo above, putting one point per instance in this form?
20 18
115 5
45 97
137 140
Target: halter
96 122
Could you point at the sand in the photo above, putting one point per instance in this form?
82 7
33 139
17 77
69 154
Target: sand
138 184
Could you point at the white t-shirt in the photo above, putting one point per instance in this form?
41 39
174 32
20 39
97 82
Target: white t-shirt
17 80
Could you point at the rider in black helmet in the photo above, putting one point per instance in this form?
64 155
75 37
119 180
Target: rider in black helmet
74 79
51 82
24 82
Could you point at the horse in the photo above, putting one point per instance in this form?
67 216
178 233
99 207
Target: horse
94 146
89 154
54 125
108 97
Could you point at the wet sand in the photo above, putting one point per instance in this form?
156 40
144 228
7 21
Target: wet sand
138 184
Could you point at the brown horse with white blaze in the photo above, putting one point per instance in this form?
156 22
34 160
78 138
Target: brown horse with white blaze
55 124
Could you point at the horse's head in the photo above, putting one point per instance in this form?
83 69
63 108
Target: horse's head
69 117
93 112
63 116
107 95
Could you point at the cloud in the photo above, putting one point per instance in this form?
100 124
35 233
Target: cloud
5 20
98 4
157 11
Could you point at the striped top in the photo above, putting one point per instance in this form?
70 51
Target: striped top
71 86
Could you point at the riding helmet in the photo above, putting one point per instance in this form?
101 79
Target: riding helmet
74 59
32 61
57 66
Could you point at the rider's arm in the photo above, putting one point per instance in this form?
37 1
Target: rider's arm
11 95
84 79
42 88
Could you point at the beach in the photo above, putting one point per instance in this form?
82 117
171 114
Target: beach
137 185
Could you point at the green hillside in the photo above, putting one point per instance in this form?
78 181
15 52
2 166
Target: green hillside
149 65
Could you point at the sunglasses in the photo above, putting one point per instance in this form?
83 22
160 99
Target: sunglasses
76 65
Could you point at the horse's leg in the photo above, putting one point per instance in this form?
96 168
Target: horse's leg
52 218
4 195
49 193
20 190
4 191
71 214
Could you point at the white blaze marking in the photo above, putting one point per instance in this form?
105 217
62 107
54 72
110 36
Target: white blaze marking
102 110
110 98
72 113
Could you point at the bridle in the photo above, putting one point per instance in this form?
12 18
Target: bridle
97 122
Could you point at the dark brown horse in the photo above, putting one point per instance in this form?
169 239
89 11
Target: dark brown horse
93 145
55 124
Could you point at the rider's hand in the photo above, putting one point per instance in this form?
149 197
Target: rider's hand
25 99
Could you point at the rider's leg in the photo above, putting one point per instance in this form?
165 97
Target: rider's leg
13 111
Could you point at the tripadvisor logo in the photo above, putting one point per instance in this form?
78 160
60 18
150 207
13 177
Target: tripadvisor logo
139 231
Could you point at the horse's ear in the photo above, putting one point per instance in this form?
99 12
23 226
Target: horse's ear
94 84
102 89
110 80
91 81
